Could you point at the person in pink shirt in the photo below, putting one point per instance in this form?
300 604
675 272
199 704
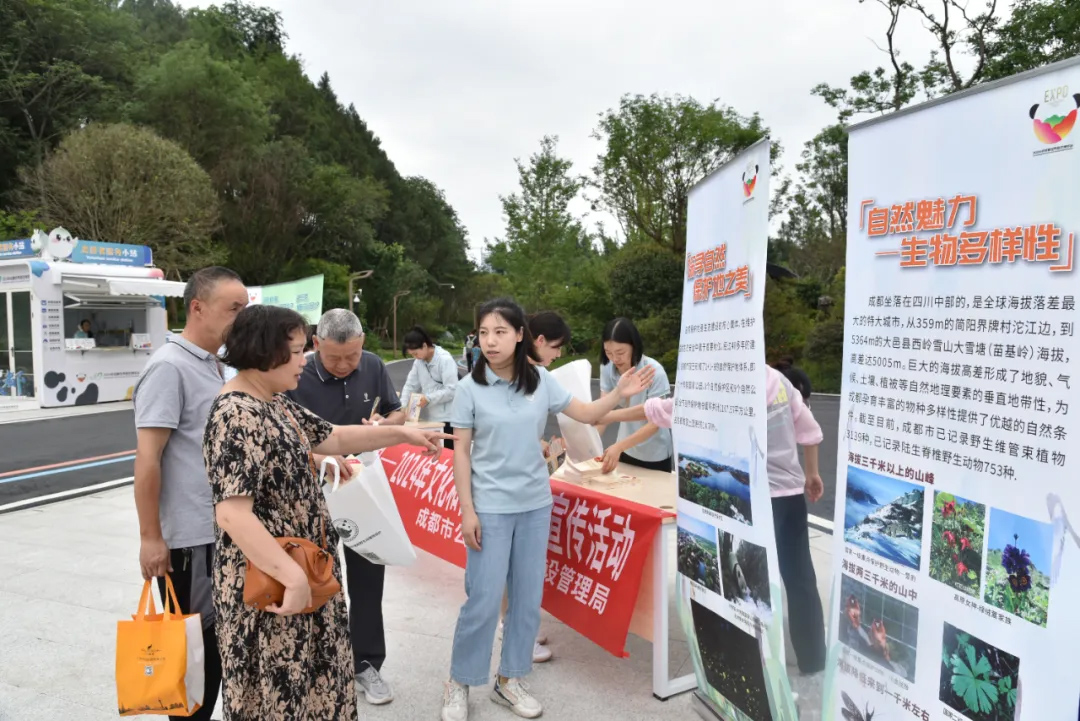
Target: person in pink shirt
790 425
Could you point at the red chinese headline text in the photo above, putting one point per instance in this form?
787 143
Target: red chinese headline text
708 270
925 224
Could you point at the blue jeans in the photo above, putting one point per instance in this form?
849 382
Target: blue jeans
513 557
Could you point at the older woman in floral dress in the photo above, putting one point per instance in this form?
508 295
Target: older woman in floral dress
279 664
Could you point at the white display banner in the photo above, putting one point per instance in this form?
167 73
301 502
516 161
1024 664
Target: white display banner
956 569
729 582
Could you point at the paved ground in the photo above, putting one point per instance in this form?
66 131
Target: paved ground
70 572
46 453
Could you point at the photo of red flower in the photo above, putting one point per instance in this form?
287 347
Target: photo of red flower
956 544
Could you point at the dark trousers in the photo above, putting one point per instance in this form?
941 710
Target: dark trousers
805 616
183 563
664 465
365 588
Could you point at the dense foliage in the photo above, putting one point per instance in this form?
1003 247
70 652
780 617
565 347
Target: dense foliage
194 132
300 184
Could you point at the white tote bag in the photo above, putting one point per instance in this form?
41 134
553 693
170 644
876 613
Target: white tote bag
365 514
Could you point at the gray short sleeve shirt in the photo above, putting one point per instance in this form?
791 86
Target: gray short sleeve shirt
175 391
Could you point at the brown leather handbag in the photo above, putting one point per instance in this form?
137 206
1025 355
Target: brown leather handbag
262 590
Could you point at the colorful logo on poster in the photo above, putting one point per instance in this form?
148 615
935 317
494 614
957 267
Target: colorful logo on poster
1054 118
749 179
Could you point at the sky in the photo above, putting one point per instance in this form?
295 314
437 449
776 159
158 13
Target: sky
1036 538
457 90
698 528
716 455
884 489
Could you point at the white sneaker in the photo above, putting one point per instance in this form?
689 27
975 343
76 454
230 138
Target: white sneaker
514 694
455 706
376 690
541 653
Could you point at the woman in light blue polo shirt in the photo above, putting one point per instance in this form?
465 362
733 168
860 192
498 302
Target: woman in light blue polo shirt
640 443
499 414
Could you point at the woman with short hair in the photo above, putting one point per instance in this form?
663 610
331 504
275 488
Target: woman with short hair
282 663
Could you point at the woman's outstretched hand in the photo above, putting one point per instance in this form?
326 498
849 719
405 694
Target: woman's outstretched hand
428 440
635 381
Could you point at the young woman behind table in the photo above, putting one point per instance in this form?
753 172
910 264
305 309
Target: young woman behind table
434 375
505 495
639 443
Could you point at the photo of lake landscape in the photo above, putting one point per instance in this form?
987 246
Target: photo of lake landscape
716 481
884 516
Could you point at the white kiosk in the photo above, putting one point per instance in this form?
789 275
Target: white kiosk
78 320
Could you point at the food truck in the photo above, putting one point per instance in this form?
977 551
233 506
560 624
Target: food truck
78 319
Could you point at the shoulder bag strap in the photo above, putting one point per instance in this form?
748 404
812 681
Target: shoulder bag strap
311 457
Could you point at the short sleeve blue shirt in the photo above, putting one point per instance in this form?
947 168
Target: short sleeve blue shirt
657 448
509 474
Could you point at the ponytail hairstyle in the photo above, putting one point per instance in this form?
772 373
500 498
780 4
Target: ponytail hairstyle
550 325
526 378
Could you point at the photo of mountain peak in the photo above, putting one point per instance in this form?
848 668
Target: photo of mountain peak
884 516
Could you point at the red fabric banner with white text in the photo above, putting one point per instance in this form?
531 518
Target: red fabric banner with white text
596 551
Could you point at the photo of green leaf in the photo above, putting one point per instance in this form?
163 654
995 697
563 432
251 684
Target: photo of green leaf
977 679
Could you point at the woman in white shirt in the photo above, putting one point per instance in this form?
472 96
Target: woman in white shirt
434 376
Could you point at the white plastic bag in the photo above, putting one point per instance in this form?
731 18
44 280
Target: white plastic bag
365 515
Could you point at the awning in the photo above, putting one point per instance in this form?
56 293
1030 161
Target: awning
95 292
146 286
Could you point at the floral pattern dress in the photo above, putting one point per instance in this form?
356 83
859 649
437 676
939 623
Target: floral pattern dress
275 668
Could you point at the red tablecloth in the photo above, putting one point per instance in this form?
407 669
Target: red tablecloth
596 552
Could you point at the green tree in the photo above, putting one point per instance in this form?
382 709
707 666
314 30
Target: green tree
645 279
341 213
787 320
1037 33
812 237
124 184
656 149
236 29
62 63
17 225
543 242
206 105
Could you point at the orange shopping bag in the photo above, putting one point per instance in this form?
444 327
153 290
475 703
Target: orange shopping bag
159 659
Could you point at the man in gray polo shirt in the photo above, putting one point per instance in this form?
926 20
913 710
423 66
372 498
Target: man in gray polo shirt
172 495
342 383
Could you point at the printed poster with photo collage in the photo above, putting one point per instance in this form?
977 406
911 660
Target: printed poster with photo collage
956 566
728 578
